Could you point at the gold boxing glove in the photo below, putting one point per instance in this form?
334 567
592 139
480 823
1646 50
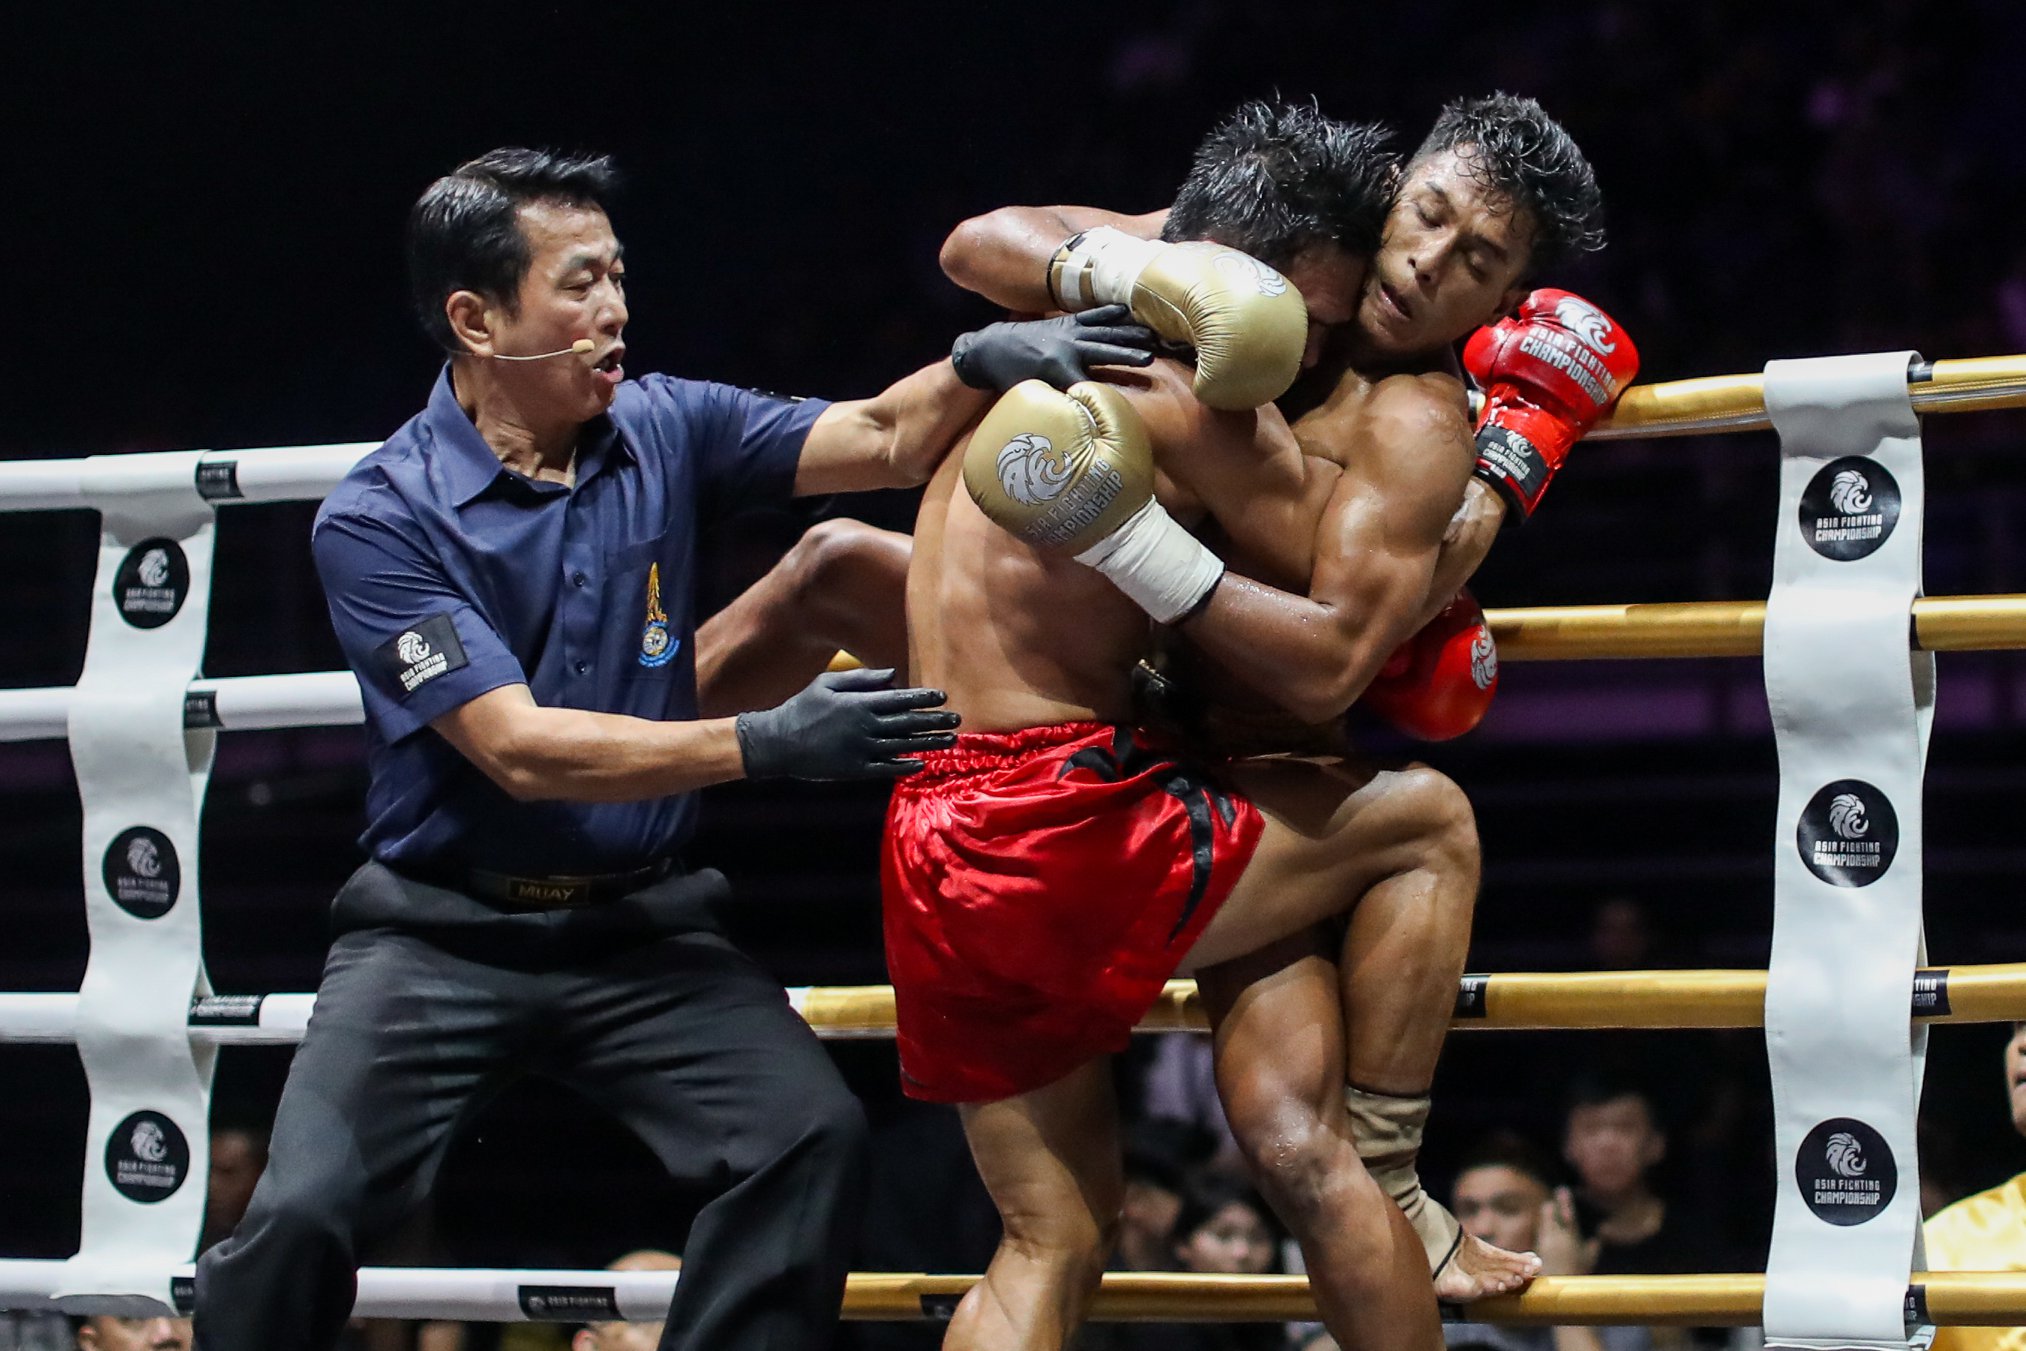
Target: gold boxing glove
1073 471
1247 322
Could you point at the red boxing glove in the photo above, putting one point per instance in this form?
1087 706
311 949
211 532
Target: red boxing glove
1549 372
1439 683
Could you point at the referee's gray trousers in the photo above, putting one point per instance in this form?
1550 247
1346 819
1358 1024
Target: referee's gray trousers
431 1001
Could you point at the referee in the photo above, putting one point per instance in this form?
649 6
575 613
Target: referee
510 576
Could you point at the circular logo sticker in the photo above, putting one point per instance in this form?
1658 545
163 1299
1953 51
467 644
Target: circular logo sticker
147 1158
1850 508
1849 833
1845 1171
141 872
151 583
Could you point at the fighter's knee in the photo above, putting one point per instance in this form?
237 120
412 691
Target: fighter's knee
1444 819
839 571
1296 1162
1281 1129
833 550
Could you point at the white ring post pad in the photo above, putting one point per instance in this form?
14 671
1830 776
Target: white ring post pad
1850 705
142 778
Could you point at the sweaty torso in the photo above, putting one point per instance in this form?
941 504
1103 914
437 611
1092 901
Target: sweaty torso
1268 531
1021 638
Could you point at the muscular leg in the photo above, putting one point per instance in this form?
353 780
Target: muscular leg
1402 956
1050 1159
1408 939
1280 1072
1400 846
1335 834
841 586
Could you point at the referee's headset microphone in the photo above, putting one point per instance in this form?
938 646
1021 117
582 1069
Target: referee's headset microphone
583 347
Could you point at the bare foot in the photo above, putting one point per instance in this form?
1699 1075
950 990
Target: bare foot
1477 1269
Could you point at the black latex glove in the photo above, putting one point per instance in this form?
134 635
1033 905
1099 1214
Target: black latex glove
845 725
1000 356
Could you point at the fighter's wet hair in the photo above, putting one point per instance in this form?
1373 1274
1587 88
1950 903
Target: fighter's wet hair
1512 146
1275 178
464 233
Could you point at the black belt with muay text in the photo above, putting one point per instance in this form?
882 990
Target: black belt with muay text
551 893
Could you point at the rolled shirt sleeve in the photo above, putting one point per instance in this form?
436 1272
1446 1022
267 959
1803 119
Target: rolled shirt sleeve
748 442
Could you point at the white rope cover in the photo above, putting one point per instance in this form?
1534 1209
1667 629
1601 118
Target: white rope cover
230 704
1851 710
505 1296
272 474
141 779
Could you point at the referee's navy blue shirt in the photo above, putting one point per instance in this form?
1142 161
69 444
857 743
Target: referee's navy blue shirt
449 575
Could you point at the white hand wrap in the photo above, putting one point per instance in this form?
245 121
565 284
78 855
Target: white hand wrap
1099 267
1163 568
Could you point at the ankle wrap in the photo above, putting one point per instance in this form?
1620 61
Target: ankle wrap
1387 1131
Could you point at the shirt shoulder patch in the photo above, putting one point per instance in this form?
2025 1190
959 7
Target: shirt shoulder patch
420 653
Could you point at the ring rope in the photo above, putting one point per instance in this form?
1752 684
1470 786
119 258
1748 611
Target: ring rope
1737 403
1531 633
1534 1001
295 473
1515 1001
1946 1298
1730 628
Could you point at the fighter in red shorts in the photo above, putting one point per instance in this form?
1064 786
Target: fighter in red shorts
1453 253
1042 879
1055 866
1044 883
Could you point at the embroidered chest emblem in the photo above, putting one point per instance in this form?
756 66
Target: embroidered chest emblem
656 645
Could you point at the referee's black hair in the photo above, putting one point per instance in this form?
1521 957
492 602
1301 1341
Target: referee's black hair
464 233
1512 146
1275 178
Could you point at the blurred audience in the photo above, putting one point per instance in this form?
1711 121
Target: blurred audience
106 1333
1622 937
23 1330
612 1336
238 1157
1612 1139
1159 1152
1223 1226
1510 1194
1180 1084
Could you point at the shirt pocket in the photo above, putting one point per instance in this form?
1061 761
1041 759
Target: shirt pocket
645 616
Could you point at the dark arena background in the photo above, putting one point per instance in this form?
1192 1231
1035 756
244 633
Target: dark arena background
202 218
